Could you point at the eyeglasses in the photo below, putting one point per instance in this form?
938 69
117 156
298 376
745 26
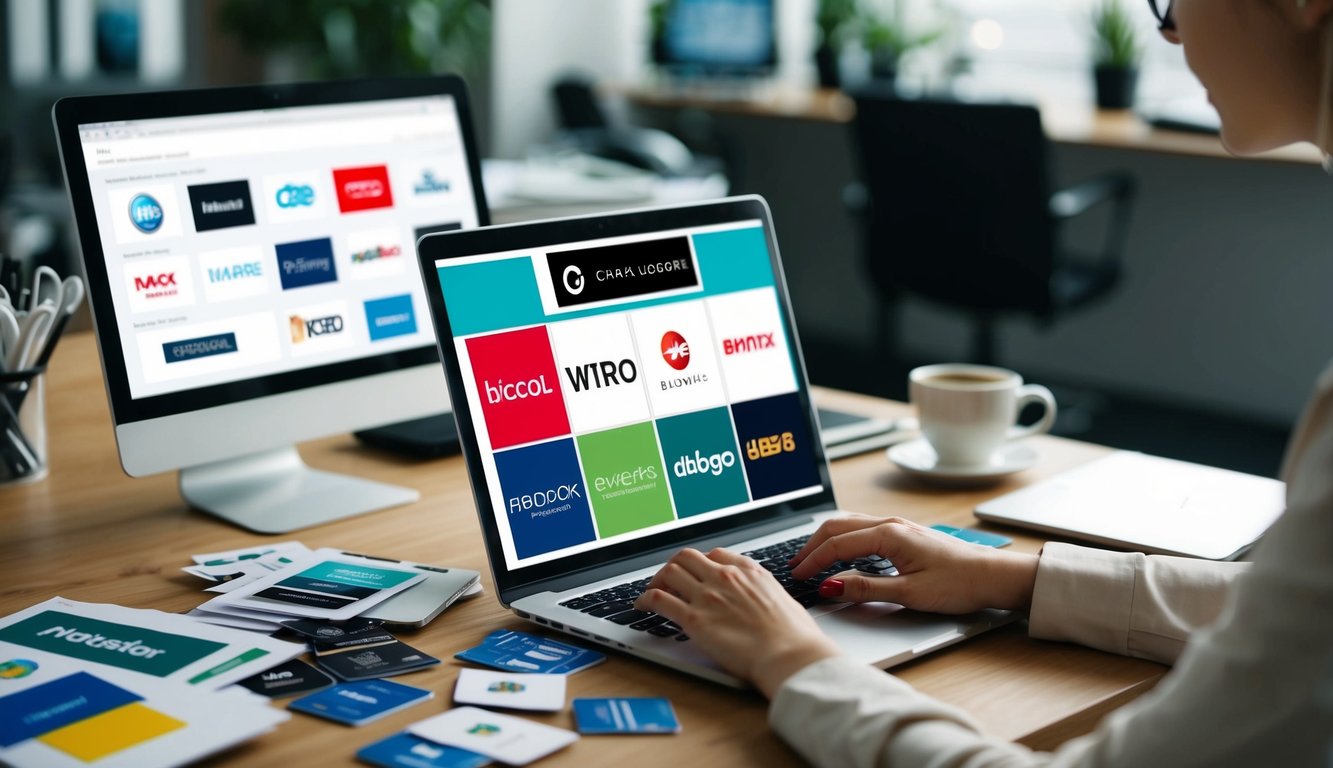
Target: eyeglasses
1165 21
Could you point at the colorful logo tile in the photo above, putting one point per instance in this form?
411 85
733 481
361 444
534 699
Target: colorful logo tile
627 484
519 387
702 461
545 500
775 444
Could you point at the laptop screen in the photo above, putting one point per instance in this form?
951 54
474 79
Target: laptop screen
630 386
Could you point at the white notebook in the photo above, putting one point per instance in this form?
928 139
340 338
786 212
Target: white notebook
1148 504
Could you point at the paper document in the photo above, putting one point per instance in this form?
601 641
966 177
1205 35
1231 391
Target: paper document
60 712
153 644
326 584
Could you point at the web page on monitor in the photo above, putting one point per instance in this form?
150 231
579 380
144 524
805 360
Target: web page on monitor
252 243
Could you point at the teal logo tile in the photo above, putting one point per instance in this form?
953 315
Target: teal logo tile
702 461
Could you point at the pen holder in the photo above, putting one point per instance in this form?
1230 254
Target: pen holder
23 426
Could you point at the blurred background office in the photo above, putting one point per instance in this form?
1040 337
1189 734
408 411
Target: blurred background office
1176 299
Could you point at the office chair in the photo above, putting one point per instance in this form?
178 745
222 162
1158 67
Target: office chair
957 208
582 120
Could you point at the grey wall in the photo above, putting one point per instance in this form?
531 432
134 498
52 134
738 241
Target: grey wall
1227 301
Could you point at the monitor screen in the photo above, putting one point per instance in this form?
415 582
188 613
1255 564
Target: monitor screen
628 386
251 245
722 36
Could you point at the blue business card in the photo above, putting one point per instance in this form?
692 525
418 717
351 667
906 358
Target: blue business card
361 702
645 715
403 750
522 652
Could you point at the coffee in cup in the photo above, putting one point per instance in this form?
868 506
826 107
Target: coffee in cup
968 412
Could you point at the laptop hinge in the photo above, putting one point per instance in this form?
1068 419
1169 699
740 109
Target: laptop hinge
626 565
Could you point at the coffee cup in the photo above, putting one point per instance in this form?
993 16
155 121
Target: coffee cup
969 412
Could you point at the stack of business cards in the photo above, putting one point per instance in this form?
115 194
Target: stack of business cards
521 652
325 584
504 738
508 690
361 703
359 649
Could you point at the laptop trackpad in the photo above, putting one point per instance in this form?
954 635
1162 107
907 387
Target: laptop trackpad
877 632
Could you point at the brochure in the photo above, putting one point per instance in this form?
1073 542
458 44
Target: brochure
57 712
326 584
153 644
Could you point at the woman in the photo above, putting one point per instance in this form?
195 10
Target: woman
1252 643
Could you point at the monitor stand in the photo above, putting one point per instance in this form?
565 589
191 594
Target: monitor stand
275 492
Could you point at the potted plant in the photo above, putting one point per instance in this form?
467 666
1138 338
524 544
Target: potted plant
887 39
833 17
1117 52
352 38
658 14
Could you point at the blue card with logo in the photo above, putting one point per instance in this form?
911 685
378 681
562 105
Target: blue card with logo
974 536
521 652
645 715
403 750
362 702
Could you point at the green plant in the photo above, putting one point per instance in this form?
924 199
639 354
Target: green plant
833 17
348 38
1115 36
890 39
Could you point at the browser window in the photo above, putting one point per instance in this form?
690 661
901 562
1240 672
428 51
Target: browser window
245 244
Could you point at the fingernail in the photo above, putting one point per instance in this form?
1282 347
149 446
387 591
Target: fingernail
831 588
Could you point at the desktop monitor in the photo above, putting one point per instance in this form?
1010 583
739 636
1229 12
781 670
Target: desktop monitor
721 37
249 261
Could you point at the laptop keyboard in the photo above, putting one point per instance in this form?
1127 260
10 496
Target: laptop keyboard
616 604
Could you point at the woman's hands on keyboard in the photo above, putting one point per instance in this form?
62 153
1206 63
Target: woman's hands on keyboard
738 614
936 572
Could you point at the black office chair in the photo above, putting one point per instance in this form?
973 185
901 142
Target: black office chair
957 208
585 124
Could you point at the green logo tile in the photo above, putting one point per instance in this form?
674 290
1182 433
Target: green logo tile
626 483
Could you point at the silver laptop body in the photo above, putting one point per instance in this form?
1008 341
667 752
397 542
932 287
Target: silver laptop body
629 384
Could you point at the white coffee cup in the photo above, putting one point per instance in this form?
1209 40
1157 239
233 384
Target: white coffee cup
968 412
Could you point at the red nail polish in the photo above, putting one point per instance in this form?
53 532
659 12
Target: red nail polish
831 588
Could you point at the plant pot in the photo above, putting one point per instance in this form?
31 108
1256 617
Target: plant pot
884 68
827 65
1115 87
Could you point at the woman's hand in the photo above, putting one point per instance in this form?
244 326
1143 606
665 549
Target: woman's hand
738 614
936 572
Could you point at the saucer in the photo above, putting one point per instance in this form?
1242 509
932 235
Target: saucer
918 459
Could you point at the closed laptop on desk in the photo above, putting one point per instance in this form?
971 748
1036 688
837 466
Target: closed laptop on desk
630 384
1148 504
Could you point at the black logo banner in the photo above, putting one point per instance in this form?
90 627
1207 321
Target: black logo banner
611 272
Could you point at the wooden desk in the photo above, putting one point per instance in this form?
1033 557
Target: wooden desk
1065 123
88 532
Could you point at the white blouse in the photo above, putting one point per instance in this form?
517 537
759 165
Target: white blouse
1252 645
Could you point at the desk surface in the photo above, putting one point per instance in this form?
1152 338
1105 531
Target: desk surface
1065 123
88 532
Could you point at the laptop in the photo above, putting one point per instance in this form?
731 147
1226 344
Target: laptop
626 385
1148 504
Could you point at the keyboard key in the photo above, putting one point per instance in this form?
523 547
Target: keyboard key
664 630
629 617
608 609
680 638
649 623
